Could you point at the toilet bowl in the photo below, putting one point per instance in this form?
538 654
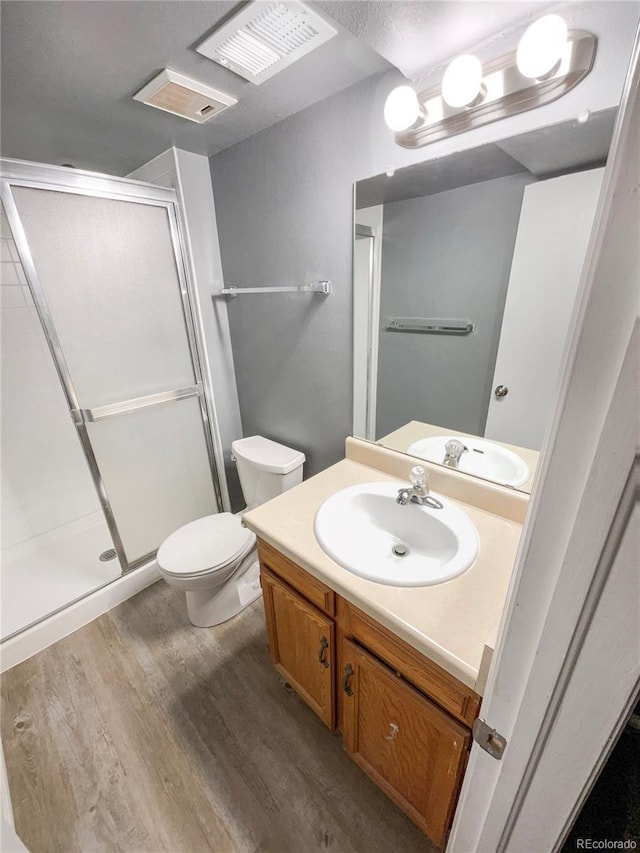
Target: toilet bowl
214 559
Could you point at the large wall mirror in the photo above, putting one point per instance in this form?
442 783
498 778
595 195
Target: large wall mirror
466 270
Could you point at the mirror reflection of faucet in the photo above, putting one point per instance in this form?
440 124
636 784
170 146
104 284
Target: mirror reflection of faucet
419 491
454 449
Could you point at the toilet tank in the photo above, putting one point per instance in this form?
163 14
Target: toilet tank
266 468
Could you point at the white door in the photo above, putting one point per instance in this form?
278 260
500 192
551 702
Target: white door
566 664
553 232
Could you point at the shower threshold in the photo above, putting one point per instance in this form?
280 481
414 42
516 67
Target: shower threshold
53 569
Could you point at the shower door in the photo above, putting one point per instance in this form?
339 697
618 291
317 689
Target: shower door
106 271
366 296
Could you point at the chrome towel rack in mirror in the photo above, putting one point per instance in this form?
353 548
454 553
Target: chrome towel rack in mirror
323 287
430 326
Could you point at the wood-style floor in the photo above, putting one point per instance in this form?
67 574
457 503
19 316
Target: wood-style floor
140 732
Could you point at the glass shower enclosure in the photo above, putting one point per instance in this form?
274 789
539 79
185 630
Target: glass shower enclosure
107 444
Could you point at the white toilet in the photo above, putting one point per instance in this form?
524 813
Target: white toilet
214 559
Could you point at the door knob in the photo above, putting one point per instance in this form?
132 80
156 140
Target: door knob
501 391
393 732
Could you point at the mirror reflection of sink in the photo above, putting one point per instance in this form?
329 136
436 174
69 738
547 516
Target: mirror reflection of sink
483 458
366 532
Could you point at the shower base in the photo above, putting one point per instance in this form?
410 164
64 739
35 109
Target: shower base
51 570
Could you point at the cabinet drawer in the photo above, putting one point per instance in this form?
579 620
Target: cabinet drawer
410 748
312 589
447 691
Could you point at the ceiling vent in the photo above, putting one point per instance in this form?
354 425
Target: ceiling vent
184 97
263 38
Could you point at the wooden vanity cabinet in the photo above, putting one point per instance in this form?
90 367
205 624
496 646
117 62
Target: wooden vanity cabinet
301 644
301 635
415 752
449 693
404 720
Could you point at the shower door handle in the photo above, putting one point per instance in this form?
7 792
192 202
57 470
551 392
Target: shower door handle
99 413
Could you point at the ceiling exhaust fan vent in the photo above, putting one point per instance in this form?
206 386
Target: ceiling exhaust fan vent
263 38
184 97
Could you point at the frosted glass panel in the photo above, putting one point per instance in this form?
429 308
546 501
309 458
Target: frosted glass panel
155 467
45 480
109 275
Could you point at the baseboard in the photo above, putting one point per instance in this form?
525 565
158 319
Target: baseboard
64 622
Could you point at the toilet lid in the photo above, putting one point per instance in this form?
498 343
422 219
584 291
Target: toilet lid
267 455
205 544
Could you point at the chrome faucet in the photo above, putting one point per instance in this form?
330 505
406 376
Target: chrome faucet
419 491
453 450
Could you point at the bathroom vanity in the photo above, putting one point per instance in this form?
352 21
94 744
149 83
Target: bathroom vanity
399 672
386 699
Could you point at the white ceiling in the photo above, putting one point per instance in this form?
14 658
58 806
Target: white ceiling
69 69
415 36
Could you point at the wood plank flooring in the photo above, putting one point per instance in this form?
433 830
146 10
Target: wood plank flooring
140 732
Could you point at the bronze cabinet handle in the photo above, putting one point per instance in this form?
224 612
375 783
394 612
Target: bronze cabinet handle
324 645
348 689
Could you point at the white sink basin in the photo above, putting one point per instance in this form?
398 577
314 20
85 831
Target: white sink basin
484 459
359 527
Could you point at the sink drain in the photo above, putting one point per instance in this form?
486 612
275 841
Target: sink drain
107 555
400 550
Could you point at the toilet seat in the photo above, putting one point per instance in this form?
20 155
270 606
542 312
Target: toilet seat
204 546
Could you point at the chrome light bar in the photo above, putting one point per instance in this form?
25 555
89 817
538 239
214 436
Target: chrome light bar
505 92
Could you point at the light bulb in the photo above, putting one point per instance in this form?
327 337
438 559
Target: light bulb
402 108
462 81
541 46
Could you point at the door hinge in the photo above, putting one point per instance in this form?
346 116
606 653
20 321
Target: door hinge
489 739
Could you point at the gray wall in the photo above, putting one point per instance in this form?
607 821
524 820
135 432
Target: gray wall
445 256
284 208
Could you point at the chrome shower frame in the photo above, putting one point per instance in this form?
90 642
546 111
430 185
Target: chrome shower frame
18 173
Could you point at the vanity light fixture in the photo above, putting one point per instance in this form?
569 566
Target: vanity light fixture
549 61
541 47
462 81
402 108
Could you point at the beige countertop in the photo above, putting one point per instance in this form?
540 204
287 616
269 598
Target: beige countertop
451 623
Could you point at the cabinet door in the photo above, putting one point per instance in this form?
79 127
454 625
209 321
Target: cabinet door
301 643
414 751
